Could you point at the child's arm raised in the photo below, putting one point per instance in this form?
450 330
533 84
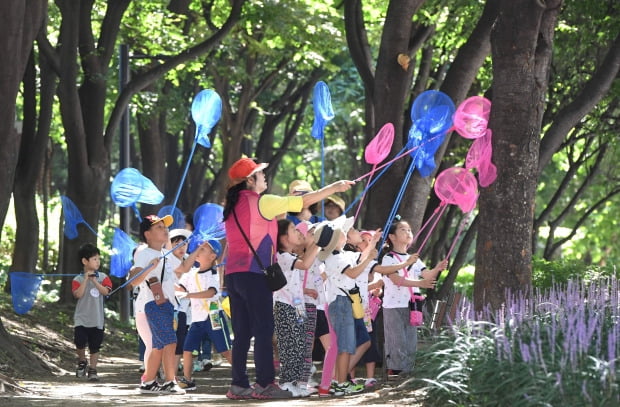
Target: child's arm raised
393 268
308 258
355 271
401 281
433 273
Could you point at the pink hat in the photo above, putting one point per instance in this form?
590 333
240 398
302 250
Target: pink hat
303 227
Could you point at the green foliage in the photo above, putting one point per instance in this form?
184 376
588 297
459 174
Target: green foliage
464 282
546 273
6 252
557 348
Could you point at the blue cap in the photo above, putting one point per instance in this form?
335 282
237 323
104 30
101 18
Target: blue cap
215 246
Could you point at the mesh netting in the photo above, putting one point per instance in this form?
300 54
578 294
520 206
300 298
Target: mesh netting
24 289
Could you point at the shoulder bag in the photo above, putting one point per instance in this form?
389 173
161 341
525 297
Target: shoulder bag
273 273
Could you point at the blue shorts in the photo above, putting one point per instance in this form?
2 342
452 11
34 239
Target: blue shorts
361 333
199 330
341 319
161 322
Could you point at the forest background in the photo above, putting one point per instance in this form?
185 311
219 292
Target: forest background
549 68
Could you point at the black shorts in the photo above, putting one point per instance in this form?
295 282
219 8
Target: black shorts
93 337
322 328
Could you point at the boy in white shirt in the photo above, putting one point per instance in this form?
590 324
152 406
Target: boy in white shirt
202 287
157 292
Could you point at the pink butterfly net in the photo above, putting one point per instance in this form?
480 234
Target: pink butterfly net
457 186
479 157
379 147
471 118
376 151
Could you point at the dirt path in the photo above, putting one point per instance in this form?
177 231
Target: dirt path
119 382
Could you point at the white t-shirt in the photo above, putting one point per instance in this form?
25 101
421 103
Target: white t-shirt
362 282
194 282
314 281
398 296
335 266
181 304
142 259
294 279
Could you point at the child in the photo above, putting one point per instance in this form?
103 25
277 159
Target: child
181 305
156 293
314 297
89 288
202 287
364 241
290 310
342 268
400 336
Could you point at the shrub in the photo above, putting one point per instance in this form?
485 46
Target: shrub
556 347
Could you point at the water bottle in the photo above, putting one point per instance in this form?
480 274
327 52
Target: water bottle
214 316
300 310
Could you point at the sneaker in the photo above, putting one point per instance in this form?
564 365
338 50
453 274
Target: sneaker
347 388
271 391
150 388
197 365
239 393
393 372
172 387
217 360
297 389
81 368
306 390
292 387
206 365
353 388
92 375
325 392
186 384
370 382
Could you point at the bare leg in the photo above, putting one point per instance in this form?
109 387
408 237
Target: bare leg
169 359
94 358
188 364
342 364
359 352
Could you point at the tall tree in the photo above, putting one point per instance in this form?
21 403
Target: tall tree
522 45
83 61
20 21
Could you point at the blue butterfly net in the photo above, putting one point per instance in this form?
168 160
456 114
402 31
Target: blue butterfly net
24 289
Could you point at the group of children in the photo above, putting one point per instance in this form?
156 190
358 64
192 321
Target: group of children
335 276
174 291
332 272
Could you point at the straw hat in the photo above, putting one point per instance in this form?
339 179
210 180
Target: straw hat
339 202
299 187
328 234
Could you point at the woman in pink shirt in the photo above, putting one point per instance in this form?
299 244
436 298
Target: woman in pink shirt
251 299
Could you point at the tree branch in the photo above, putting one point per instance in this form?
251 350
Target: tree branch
143 80
357 42
595 89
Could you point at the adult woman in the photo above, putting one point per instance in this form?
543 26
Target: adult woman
248 213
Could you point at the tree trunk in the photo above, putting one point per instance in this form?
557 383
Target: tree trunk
20 21
389 92
521 48
34 145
